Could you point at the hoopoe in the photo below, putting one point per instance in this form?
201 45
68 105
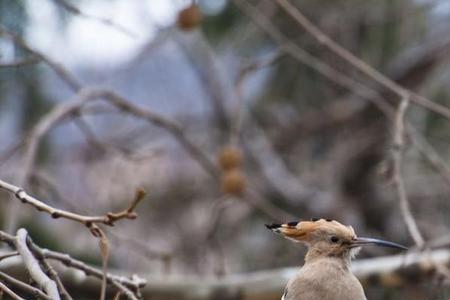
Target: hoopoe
326 273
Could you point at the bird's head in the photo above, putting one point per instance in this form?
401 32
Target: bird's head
327 238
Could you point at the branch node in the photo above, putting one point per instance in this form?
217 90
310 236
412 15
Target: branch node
17 194
55 215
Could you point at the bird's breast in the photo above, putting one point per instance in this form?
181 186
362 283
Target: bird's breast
325 279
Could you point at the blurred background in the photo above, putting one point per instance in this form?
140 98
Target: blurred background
283 124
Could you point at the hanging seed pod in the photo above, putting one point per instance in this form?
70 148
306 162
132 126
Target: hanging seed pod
189 18
230 158
233 182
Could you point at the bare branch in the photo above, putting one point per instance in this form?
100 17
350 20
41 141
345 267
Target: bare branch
429 153
65 110
8 255
304 57
33 267
108 219
129 212
32 141
54 276
389 271
399 133
359 64
24 287
253 198
210 72
124 284
343 80
246 71
174 129
64 74
13 295
104 251
68 261
117 296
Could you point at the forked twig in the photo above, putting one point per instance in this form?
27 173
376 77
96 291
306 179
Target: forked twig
108 219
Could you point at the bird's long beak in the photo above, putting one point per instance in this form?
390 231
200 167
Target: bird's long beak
361 241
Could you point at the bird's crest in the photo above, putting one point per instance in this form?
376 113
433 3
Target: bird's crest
306 230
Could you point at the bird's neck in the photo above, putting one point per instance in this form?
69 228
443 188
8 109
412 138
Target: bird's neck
314 255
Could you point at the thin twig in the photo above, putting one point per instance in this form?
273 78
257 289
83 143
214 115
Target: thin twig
253 198
8 255
33 267
210 72
108 219
343 80
84 96
399 133
10 151
429 153
173 128
126 285
104 251
89 134
359 64
117 296
65 110
33 139
54 276
246 71
122 283
13 295
309 60
63 73
68 261
24 287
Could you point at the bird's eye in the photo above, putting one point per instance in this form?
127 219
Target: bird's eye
334 239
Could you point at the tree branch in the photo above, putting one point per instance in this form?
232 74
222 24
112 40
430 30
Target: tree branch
108 219
10 293
126 285
399 133
33 267
64 74
389 271
24 287
359 64
54 276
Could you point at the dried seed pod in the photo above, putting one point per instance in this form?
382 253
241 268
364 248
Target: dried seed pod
189 18
230 158
233 182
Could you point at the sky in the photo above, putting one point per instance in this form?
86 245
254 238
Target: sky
90 41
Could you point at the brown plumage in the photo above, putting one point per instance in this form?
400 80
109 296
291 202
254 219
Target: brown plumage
326 273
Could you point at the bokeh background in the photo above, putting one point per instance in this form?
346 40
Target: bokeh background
250 88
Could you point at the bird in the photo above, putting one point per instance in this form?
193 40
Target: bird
326 273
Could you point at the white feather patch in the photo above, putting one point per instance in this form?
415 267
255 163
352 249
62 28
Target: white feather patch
354 252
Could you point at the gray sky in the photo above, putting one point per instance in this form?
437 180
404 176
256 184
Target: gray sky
89 41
